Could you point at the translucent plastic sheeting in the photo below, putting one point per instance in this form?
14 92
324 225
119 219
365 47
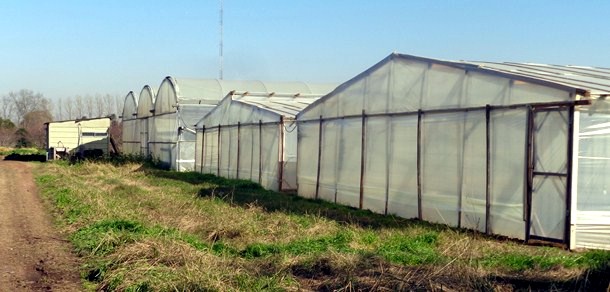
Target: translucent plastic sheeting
453 167
130 136
258 150
210 151
548 207
549 189
402 168
340 162
592 221
402 83
164 137
199 151
307 165
290 156
270 156
507 172
144 129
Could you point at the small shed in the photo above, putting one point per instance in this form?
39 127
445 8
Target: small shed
514 149
253 136
146 106
77 136
130 133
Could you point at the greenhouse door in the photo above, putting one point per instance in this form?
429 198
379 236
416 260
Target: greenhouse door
548 174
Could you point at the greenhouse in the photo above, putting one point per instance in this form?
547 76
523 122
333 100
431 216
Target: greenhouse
146 105
253 136
130 133
514 149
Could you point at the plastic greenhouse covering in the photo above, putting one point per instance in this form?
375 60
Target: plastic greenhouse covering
466 145
253 136
181 103
130 133
145 106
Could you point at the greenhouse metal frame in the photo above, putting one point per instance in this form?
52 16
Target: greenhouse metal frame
520 150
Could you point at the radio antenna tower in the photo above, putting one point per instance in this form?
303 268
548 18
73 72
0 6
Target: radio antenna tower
220 45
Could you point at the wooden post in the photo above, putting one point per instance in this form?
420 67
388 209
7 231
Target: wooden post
419 182
568 216
260 151
529 168
362 162
202 148
281 154
238 147
218 150
487 168
319 157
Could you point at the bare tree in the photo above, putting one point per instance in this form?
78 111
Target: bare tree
69 109
7 133
89 102
59 112
99 105
109 104
26 101
79 107
7 107
118 105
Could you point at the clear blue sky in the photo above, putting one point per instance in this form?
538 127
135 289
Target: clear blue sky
64 48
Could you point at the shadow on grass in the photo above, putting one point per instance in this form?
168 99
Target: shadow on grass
371 272
245 193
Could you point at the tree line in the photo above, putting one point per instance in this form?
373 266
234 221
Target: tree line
24 113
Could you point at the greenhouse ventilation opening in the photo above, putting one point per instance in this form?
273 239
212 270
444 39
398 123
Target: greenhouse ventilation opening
520 150
131 139
253 136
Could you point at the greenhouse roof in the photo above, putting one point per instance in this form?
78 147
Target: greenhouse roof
596 81
284 105
585 80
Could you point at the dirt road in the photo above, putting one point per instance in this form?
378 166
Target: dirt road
33 257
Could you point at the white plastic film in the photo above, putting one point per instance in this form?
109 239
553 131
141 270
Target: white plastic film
348 161
376 177
307 158
402 193
507 177
592 218
329 160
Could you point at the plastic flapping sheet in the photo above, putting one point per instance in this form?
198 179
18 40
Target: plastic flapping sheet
592 221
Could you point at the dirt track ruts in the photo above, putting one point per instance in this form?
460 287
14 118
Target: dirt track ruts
33 256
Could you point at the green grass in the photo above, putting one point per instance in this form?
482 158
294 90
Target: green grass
21 151
138 228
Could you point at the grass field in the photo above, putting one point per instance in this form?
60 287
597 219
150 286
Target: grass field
137 228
